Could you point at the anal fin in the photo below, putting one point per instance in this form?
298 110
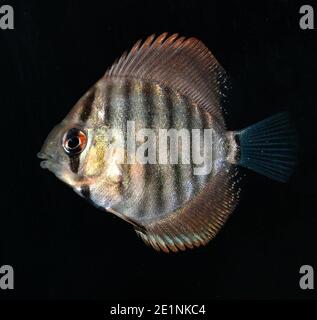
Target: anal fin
200 219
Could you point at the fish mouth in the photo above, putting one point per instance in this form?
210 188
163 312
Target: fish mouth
42 155
50 163
57 168
46 159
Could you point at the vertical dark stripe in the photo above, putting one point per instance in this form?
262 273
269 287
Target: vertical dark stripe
205 124
87 105
74 163
205 118
128 188
126 96
191 114
187 169
147 104
169 107
150 89
172 125
108 107
126 112
85 192
153 123
149 169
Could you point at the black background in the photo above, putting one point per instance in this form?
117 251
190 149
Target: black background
60 246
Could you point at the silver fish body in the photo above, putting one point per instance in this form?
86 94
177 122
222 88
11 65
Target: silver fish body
167 83
149 192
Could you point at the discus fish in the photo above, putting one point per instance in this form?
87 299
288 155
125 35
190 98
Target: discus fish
164 83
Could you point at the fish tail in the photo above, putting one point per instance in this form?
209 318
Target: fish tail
269 147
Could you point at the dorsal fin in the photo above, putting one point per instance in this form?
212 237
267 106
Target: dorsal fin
186 65
201 218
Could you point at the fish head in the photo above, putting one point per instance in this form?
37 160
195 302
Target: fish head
83 151
64 150
83 157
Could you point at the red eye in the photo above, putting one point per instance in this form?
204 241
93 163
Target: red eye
74 141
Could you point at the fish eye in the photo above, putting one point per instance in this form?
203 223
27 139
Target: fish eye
74 141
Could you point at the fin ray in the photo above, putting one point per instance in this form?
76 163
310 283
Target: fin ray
269 147
186 65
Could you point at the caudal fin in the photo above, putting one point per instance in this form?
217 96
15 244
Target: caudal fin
269 147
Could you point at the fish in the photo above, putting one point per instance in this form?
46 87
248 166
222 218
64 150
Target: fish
169 92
